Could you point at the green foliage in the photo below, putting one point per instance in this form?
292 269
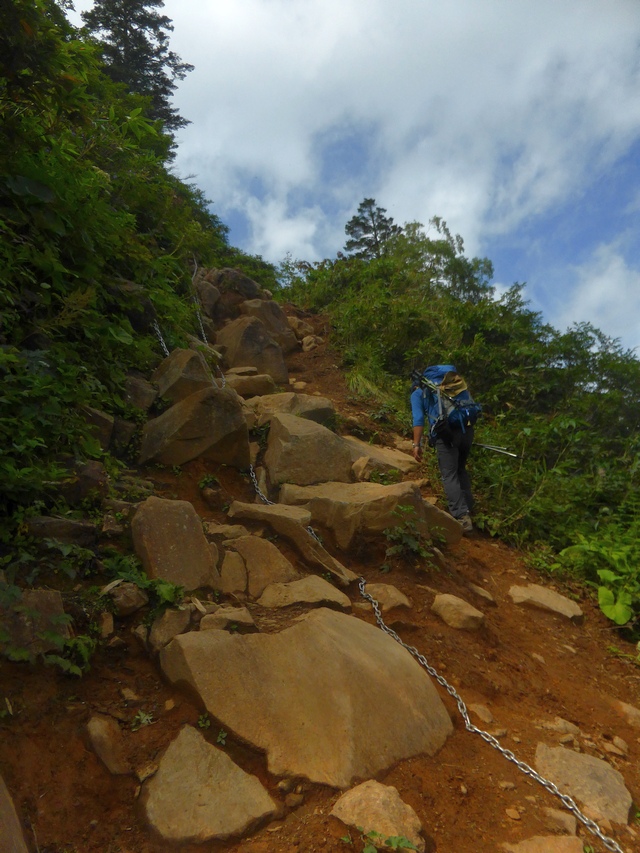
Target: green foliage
386 478
135 48
222 737
373 840
405 540
141 719
204 721
74 657
208 481
162 594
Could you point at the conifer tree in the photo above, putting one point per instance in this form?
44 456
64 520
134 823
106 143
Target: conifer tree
134 38
369 230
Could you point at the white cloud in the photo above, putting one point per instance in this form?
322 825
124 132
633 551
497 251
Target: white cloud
606 295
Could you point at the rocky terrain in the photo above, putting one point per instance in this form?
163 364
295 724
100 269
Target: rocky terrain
267 711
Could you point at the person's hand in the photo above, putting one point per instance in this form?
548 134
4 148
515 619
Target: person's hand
417 453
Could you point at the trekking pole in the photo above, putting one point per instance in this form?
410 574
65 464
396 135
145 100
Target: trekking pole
497 449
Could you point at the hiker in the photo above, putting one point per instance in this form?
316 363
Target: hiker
452 444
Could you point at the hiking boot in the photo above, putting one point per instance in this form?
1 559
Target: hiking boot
467 525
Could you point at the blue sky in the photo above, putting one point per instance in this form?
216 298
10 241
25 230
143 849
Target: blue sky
517 121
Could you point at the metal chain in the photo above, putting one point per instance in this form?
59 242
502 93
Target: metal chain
196 303
156 329
265 499
566 801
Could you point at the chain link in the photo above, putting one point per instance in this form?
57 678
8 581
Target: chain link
566 800
156 329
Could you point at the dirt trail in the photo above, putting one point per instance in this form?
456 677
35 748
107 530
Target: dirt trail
526 667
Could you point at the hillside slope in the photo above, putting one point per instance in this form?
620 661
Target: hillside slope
524 667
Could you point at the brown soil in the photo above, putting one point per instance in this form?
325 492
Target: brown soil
525 666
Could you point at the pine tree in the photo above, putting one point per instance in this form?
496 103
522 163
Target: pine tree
135 49
369 230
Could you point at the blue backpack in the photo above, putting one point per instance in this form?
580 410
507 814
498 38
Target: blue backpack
450 405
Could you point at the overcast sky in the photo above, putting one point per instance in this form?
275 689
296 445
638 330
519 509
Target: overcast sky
516 121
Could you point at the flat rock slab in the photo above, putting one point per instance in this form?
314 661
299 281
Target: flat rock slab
534 595
199 794
383 458
457 613
372 806
351 508
546 844
182 373
251 386
83 533
169 540
589 780
265 563
291 523
315 697
311 590
387 596
311 408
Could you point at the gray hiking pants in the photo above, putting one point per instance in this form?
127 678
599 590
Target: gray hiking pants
452 460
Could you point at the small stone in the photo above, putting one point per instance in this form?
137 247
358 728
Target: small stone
129 695
557 819
567 739
293 801
482 712
506 786
538 657
614 750
498 733
106 625
621 744
170 704
463 789
514 814
285 786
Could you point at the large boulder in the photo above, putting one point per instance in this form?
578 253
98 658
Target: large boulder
169 540
199 794
316 696
274 319
181 374
303 452
312 408
208 424
247 341
366 508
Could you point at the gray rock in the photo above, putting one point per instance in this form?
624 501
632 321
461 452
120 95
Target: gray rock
84 480
128 598
225 618
252 386
457 613
589 780
106 740
318 409
311 590
139 393
209 424
199 794
291 523
167 626
225 531
274 320
556 819
12 840
372 806
300 328
248 342
303 452
388 596
101 424
233 574
169 540
209 295
180 374
83 533
332 717
349 509
382 458
534 595
264 562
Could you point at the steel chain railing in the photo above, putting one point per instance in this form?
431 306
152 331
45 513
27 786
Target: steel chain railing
156 329
203 335
566 800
